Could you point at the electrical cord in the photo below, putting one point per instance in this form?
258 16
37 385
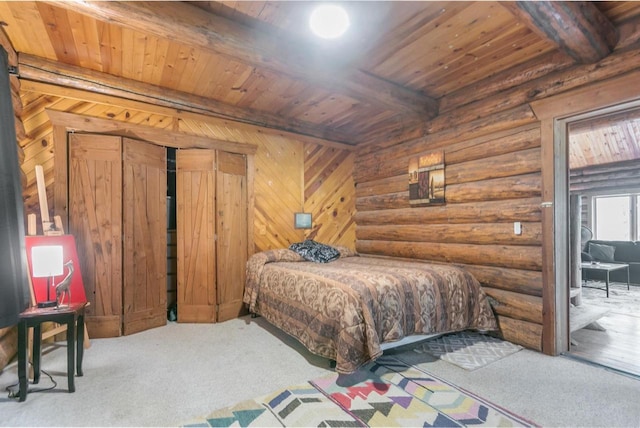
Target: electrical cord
16 393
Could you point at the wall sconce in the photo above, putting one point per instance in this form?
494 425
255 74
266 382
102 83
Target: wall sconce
46 262
302 220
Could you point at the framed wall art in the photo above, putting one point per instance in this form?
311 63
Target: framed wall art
426 179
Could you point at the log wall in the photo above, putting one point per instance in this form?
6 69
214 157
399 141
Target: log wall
493 175
491 181
621 177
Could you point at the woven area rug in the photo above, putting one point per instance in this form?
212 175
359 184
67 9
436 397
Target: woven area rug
387 392
620 299
468 350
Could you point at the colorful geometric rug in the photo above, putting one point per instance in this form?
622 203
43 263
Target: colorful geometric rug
468 350
386 393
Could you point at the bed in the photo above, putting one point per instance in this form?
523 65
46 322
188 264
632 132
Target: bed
347 309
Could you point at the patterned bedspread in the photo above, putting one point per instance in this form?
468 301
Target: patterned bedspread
345 309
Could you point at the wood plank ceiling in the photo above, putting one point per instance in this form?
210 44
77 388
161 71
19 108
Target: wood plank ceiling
400 64
604 140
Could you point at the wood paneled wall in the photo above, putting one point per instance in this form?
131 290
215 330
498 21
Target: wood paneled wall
493 158
296 176
38 145
329 194
292 174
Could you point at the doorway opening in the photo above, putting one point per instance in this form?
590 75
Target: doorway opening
602 157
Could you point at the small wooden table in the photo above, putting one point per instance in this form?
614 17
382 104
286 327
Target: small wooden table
34 317
607 268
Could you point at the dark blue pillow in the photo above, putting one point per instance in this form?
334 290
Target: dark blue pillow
603 253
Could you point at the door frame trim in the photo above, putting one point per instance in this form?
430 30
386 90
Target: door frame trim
555 113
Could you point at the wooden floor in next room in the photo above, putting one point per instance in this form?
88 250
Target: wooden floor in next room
616 346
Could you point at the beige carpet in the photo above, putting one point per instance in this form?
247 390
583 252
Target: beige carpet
172 374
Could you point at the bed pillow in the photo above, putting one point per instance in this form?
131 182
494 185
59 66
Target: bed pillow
315 251
601 252
346 251
586 257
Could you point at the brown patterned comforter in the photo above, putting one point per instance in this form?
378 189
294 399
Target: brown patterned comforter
345 309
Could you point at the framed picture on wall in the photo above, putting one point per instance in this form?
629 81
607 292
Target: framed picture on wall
426 179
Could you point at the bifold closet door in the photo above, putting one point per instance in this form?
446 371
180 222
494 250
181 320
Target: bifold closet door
144 297
117 213
196 228
231 227
95 219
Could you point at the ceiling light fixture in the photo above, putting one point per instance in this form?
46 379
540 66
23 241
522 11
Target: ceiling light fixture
329 21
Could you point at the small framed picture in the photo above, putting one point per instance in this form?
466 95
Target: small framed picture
302 220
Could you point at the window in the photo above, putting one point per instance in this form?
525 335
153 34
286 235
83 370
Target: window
616 218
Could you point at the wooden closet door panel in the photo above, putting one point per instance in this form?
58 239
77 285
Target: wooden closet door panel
145 236
195 197
95 219
232 233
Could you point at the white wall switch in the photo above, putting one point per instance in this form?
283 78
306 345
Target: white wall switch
517 228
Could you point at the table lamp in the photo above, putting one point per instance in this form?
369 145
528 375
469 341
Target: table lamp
46 262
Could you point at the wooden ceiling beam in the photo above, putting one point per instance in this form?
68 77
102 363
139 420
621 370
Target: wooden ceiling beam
190 25
43 70
537 67
578 28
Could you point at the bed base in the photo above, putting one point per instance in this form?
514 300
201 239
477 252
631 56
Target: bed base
404 341
408 340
